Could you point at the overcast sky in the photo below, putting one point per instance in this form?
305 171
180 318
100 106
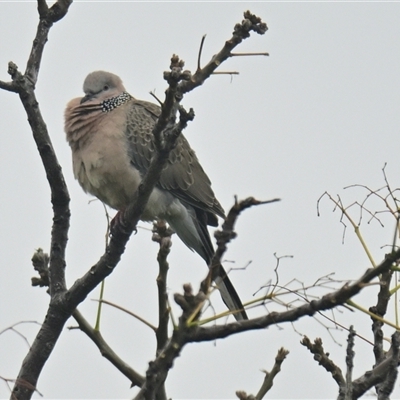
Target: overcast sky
320 113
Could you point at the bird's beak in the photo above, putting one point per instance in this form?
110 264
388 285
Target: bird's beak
86 98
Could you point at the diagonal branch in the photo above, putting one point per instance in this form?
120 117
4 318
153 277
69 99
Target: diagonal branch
328 301
323 359
47 17
268 379
107 352
270 376
241 31
188 332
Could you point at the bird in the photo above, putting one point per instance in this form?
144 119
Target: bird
110 135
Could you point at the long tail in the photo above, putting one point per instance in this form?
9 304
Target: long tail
229 295
193 231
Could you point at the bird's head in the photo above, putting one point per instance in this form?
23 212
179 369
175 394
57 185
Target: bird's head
101 85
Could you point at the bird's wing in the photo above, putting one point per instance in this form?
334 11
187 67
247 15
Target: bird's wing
183 175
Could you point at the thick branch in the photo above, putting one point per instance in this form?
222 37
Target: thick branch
380 309
40 261
9 86
187 333
386 370
386 387
56 317
323 359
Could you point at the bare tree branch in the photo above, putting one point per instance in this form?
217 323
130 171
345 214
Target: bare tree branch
158 369
24 85
349 363
162 235
63 303
270 376
384 374
386 387
328 301
9 86
226 234
48 16
380 309
13 328
166 131
323 359
107 352
186 333
241 31
40 262
387 369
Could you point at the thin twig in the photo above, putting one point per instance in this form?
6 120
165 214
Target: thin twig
151 326
200 51
106 351
249 54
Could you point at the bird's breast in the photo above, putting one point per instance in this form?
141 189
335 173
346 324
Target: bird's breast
101 161
103 165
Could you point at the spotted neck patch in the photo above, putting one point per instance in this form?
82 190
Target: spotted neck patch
114 102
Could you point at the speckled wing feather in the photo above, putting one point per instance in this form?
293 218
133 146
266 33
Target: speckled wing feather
183 175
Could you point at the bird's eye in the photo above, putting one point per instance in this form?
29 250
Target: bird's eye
105 87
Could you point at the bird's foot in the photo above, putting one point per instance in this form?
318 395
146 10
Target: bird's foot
118 225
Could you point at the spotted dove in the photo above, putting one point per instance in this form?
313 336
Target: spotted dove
110 134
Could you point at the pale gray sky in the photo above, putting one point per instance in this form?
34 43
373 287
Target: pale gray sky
321 113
